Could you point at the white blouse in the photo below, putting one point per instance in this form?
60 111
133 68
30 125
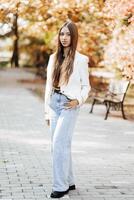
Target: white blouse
78 85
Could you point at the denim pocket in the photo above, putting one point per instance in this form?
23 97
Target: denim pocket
52 102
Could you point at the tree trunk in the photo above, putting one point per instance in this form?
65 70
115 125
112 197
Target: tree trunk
15 55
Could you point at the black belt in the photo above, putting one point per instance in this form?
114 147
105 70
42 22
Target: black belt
57 91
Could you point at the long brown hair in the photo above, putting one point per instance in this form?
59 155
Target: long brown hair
60 61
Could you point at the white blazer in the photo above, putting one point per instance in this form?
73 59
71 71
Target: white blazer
78 85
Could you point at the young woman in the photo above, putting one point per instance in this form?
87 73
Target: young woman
67 89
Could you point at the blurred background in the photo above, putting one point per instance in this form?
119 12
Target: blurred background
28 33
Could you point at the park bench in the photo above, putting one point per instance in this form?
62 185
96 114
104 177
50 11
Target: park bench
113 97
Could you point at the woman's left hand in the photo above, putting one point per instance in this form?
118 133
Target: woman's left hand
71 104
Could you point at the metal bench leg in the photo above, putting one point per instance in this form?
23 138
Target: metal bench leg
122 109
92 105
108 109
106 104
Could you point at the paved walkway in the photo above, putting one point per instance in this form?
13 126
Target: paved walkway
103 151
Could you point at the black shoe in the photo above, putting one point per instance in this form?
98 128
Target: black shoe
72 187
56 194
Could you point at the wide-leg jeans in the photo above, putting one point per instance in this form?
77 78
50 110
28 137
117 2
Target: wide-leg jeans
62 123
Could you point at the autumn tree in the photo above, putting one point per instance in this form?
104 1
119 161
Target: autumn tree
119 52
42 19
24 21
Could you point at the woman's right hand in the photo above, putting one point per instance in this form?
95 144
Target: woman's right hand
48 122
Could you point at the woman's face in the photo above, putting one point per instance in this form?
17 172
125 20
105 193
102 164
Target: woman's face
65 37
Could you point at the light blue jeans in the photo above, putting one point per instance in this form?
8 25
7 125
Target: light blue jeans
62 123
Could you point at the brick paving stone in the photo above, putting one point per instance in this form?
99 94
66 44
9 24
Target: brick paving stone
102 149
